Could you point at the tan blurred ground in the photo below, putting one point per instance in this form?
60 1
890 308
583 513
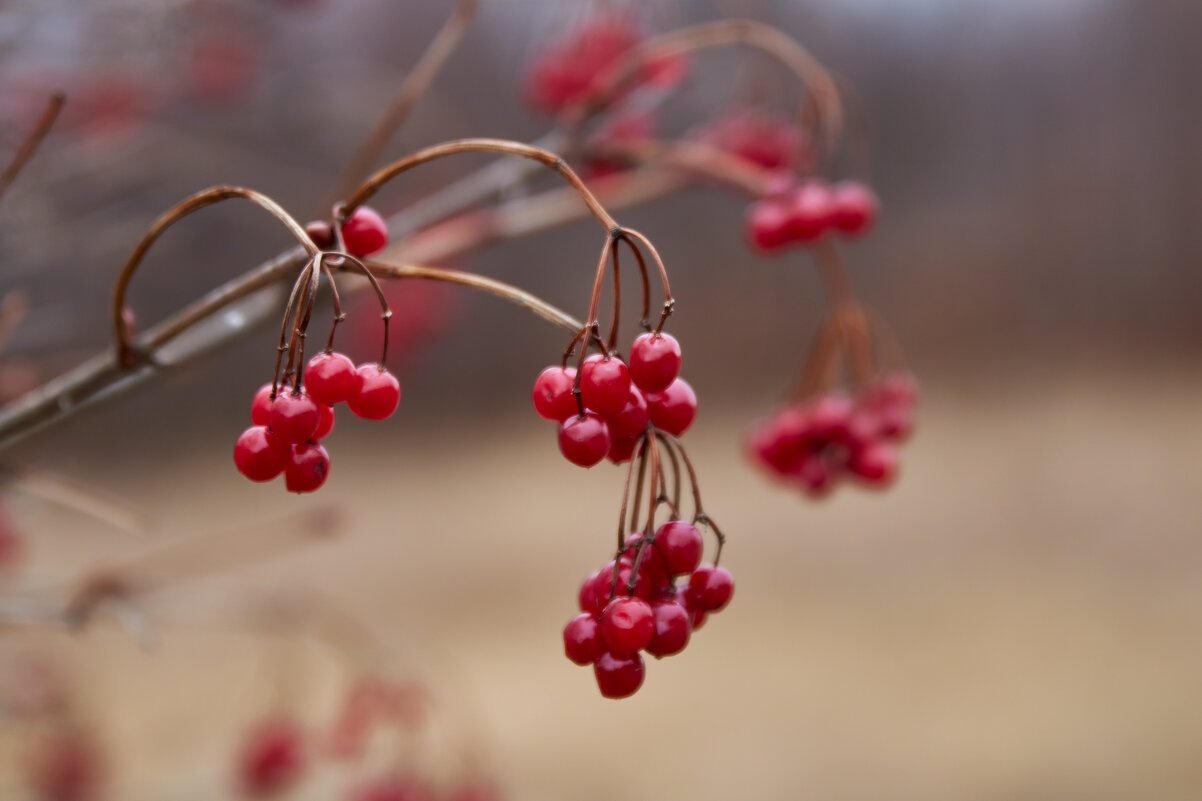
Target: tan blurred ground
1020 618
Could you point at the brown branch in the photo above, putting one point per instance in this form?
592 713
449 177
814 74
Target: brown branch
30 146
415 85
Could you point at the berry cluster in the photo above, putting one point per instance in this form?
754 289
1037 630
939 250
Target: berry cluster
605 408
813 445
805 213
288 425
766 140
568 71
651 598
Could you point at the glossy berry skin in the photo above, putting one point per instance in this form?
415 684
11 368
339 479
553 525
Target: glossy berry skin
257 456
619 676
680 543
582 641
330 378
854 208
654 361
377 395
875 465
307 468
603 584
710 588
260 407
672 629
327 422
587 597
584 440
294 417
604 384
627 625
653 566
811 212
768 226
552 394
632 420
622 450
364 232
674 409
271 760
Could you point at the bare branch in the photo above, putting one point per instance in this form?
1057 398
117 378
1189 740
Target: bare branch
30 145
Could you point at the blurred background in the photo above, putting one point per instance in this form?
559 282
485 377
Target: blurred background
1018 618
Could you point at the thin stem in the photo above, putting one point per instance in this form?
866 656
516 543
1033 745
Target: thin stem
653 449
673 442
385 311
642 263
336 299
612 342
30 146
291 311
644 453
416 83
504 146
625 503
676 478
669 301
173 215
834 274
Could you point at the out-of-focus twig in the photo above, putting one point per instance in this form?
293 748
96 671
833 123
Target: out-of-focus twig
30 145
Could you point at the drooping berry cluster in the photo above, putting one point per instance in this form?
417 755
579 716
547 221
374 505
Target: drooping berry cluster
816 444
651 598
289 424
803 214
606 409
764 139
571 69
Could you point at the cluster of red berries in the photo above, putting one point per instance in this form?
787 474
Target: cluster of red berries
805 213
813 445
766 140
568 71
616 403
624 610
289 424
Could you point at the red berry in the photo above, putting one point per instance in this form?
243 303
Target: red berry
654 361
553 398
769 225
66 765
582 641
654 565
710 588
632 420
256 455
816 475
587 597
810 212
854 208
627 625
622 450
672 629
604 384
674 409
584 440
260 407
875 465
619 676
364 232
271 760
830 416
604 583
330 378
327 422
307 468
681 545
378 393
768 140
294 416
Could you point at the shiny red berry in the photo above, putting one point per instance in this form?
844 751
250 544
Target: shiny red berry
377 395
603 585
307 467
672 629
875 465
364 232
260 407
710 588
294 416
674 409
768 225
622 450
584 440
854 208
330 378
256 455
582 641
588 598
680 543
619 676
632 420
654 361
810 212
327 422
552 395
627 625
604 384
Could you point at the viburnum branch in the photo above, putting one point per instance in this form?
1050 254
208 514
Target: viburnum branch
173 215
729 32
30 146
414 86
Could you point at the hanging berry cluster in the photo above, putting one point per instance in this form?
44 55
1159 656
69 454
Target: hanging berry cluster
802 214
292 415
